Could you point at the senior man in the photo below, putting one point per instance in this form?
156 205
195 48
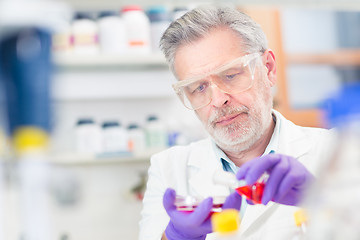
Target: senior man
225 74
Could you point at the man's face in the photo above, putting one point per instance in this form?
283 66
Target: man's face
235 121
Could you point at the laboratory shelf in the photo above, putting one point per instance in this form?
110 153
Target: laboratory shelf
341 57
73 159
108 61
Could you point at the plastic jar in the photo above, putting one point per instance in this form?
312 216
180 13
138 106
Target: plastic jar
88 137
137 29
84 35
159 22
115 138
137 140
156 135
112 33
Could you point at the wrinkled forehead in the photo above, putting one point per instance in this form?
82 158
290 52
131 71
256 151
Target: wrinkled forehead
208 53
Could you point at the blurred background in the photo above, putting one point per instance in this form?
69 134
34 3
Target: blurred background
112 105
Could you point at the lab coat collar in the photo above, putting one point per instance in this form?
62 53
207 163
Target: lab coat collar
292 140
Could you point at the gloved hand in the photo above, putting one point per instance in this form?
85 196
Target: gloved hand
195 225
288 178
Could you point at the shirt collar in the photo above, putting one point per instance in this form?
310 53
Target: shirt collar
273 146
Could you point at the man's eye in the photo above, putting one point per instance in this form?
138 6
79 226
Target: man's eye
232 76
200 88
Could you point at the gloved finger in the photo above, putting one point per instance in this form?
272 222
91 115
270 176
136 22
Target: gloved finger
250 202
276 177
294 179
233 201
241 173
200 213
258 166
169 200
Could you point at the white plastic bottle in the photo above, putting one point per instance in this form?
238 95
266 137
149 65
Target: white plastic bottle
84 35
137 30
156 135
112 33
88 137
137 140
159 22
115 137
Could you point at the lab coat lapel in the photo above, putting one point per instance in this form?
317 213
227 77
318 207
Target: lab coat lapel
202 164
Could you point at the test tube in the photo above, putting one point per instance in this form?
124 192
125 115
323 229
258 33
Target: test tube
252 192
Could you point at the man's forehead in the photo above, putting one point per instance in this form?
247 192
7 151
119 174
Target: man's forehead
207 54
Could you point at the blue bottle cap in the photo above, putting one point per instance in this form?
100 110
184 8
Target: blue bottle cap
152 118
158 13
84 121
108 14
344 106
133 126
82 15
110 124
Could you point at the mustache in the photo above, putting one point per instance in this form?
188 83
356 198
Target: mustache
226 111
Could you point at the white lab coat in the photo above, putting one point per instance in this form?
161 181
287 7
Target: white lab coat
274 221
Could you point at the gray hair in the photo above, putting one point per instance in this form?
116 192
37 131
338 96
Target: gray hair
200 21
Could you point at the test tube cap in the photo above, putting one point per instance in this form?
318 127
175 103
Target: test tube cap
300 217
226 222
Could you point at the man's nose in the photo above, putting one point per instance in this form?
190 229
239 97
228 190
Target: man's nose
219 97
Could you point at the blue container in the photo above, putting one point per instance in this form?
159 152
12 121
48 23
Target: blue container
26 70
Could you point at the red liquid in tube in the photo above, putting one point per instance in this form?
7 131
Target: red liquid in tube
253 192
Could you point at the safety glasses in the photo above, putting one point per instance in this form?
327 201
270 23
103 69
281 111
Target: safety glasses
234 77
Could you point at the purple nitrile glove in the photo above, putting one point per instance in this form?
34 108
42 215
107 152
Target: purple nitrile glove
288 178
194 225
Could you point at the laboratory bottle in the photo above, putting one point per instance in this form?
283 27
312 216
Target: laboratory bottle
159 22
84 35
115 137
137 26
156 135
112 33
226 224
137 140
333 202
88 137
252 192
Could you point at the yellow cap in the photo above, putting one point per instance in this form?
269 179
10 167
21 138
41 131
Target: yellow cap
29 139
226 221
300 217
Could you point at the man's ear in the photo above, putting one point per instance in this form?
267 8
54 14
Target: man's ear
270 66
